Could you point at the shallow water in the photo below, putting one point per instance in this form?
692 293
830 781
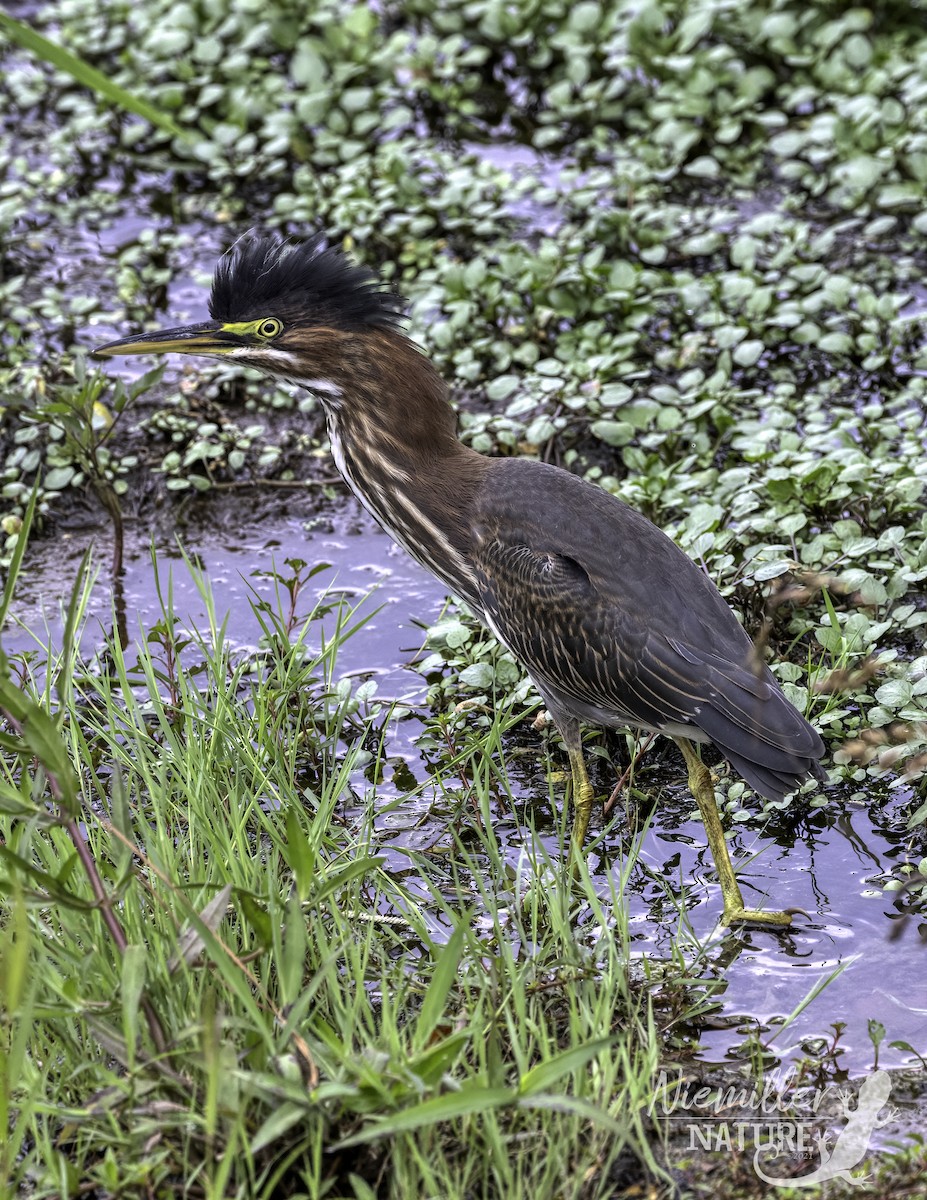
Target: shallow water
823 861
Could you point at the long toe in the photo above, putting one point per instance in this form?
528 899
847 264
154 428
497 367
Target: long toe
766 919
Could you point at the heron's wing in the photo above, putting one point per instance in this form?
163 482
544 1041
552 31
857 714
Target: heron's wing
617 624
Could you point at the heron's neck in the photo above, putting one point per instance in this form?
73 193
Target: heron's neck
394 439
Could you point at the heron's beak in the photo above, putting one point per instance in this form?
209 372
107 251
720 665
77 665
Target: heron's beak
208 338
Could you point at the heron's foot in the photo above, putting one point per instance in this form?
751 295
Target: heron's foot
762 918
737 913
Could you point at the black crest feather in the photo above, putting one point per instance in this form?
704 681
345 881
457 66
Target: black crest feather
268 276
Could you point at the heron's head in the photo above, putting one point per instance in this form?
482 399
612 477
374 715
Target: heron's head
289 309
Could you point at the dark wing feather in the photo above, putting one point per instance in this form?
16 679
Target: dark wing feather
617 625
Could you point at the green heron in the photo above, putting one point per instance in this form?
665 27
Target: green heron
613 622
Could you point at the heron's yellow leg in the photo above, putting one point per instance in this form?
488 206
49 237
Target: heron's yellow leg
582 788
701 787
582 799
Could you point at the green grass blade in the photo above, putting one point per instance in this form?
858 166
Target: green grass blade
812 994
545 1073
442 980
63 60
575 1105
466 1102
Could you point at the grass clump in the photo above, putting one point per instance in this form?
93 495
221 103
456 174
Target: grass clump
215 981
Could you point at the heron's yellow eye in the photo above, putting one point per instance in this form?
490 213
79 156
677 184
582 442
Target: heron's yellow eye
270 328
